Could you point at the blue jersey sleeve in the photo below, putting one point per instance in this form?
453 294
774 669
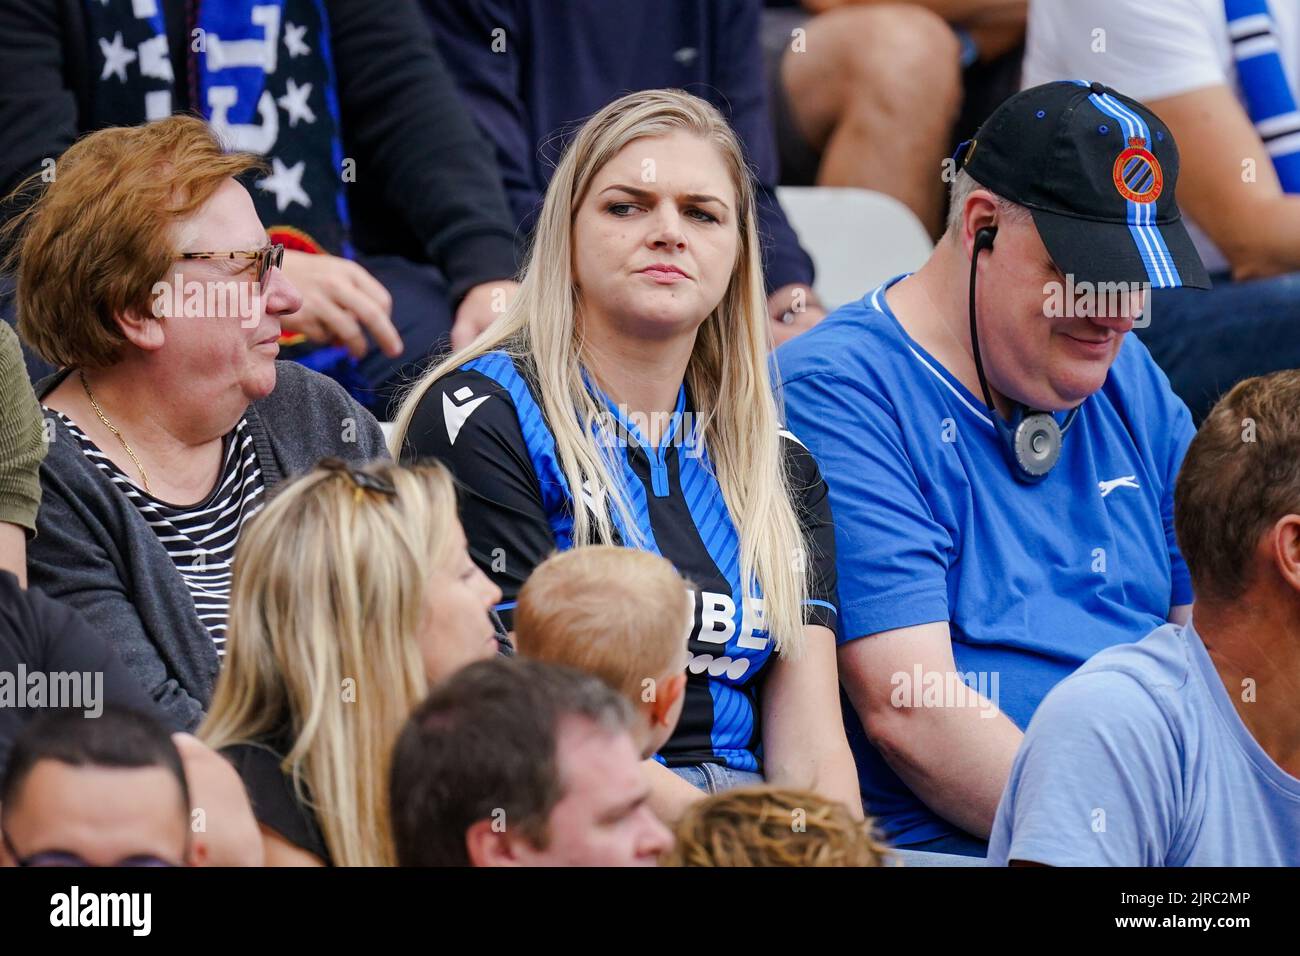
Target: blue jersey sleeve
1092 785
893 555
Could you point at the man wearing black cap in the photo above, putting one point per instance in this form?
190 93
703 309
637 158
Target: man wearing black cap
1000 454
1225 76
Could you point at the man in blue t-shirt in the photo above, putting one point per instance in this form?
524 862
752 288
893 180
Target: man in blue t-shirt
1000 454
1184 748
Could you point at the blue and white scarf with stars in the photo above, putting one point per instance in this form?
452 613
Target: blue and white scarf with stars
261 72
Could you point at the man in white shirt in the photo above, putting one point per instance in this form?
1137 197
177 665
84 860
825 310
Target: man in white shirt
1224 76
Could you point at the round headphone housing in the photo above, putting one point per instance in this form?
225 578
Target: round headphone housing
1036 444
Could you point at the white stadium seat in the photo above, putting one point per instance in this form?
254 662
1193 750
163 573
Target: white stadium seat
857 238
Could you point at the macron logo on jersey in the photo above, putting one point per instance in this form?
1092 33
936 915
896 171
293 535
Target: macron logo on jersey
593 495
456 412
785 433
1127 481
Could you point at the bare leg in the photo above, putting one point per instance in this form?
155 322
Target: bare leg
877 90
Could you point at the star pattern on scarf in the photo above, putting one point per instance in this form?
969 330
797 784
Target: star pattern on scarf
286 183
294 102
116 57
293 40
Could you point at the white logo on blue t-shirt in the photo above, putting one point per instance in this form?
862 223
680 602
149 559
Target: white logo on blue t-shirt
1127 481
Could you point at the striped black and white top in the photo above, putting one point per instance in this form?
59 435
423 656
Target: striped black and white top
200 538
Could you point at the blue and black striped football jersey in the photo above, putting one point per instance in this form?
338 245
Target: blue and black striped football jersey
485 423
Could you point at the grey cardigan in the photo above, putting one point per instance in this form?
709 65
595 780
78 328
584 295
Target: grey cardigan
94 551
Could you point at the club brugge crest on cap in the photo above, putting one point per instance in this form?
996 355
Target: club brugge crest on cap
1137 173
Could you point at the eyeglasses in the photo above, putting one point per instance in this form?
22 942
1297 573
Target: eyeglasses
268 257
67 858
363 480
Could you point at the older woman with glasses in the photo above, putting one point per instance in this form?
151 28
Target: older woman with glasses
144 272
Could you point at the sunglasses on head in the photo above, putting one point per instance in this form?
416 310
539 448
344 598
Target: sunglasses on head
268 257
362 480
365 481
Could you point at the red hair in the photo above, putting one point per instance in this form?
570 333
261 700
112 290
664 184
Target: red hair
98 237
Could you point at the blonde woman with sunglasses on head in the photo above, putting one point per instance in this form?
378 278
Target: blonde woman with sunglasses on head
353 594
625 399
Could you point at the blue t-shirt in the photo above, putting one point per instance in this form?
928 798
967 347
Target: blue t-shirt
1163 774
930 524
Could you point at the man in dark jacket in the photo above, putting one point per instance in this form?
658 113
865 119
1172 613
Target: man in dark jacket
532 69
372 162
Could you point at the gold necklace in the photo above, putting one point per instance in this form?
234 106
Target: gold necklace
113 428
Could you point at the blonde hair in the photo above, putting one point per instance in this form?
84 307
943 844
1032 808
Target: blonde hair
97 238
607 611
772 826
328 595
727 375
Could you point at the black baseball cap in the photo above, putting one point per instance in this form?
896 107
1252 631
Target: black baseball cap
1097 171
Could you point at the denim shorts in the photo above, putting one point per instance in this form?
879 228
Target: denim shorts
714 777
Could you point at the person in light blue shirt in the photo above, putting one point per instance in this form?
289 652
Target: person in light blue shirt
1000 455
1184 748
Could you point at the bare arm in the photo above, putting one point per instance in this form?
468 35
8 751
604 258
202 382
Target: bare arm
804 744
670 795
956 758
13 552
1227 183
